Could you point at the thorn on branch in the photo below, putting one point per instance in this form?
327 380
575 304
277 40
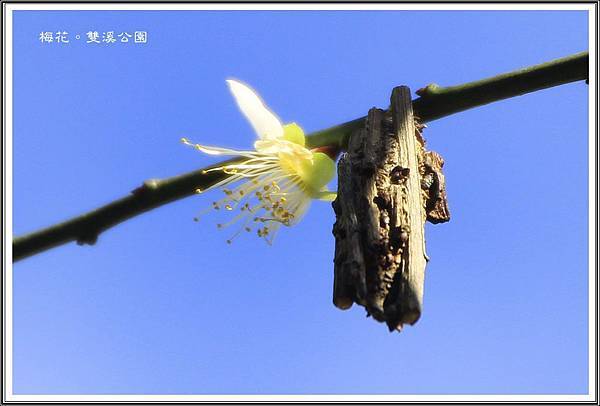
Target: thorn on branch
428 90
87 239
148 186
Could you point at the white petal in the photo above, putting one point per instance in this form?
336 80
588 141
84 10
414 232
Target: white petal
264 121
222 151
268 147
277 146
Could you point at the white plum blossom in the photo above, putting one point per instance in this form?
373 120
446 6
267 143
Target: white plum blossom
274 184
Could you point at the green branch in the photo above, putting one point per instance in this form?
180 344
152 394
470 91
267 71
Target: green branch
434 102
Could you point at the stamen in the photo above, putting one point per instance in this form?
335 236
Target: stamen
280 193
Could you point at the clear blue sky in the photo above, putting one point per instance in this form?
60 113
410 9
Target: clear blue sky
163 305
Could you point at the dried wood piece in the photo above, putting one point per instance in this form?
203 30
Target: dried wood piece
380 209
433 184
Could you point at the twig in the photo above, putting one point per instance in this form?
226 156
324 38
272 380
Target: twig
434 102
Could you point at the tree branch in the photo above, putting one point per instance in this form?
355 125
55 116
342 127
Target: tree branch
434 102
437 102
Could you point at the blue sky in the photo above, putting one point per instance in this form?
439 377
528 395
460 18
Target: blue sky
163 305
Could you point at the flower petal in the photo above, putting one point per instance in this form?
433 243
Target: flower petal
326 195
222 151
294 133
218 150
267 146
264 121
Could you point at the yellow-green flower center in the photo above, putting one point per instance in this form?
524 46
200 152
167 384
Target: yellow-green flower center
292 132
315 169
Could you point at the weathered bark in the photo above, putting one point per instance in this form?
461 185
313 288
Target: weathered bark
388 185
433 184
